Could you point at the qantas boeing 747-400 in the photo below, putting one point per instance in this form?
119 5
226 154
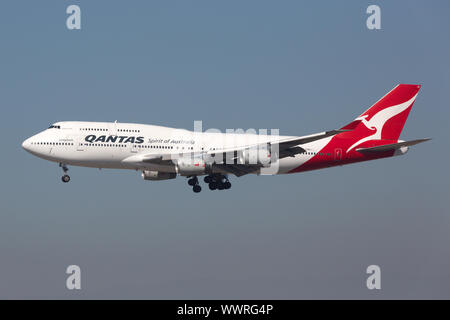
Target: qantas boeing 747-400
163 153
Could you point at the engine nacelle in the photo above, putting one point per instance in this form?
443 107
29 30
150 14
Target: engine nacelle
260 156
191 167
157 175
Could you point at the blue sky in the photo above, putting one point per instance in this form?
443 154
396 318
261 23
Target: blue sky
300 66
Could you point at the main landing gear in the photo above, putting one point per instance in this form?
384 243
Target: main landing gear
65 178
214 181
217 182
194 183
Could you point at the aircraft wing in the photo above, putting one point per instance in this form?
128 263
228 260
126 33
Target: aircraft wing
290 146
152 158
287 148
239 170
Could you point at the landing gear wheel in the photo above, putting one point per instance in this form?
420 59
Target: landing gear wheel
220 186
192 182
207 179
197 188
65 178
212 186
227 185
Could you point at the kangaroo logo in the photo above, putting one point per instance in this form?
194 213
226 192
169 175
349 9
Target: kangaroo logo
376 123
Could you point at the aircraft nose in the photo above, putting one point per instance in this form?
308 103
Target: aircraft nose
26 144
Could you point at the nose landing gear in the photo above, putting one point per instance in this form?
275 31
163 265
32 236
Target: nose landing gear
65 178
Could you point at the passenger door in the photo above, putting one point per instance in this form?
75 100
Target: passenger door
79 142
113 128
337 154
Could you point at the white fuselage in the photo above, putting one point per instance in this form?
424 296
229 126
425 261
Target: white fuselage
109 144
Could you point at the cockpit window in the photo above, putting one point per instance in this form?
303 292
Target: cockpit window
54 127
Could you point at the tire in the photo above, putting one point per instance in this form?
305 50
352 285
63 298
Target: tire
227 185
207 179
191 182
221 186
197 188
65 178
212 186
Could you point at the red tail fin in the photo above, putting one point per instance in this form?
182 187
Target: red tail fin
388 115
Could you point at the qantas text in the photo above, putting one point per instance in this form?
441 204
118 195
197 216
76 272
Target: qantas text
113 139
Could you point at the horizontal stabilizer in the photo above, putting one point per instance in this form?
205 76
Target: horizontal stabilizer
392 146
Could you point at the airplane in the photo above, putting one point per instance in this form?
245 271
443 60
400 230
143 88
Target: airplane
162 153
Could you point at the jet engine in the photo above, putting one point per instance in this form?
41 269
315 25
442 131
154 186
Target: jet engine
158 175
192 167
